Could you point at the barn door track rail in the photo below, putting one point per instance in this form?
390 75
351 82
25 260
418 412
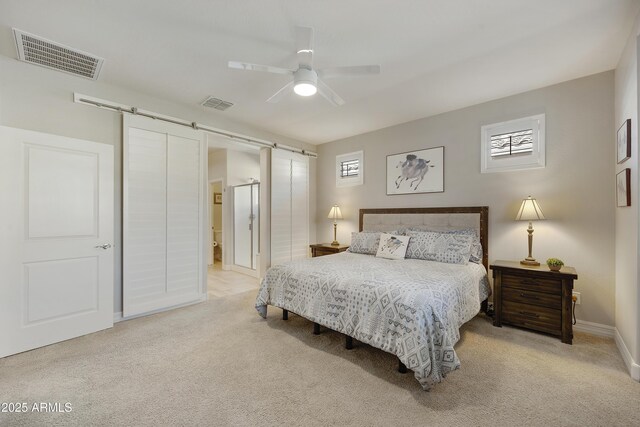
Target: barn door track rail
236 137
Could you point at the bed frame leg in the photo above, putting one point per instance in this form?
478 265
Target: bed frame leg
316 329
402 368
349 343
484 306
285 314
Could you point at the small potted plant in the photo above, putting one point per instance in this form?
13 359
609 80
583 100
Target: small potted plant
554 264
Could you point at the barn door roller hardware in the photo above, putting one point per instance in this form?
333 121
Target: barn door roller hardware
88 100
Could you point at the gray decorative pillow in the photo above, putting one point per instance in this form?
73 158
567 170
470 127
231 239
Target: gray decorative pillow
402 231
365 242
476 251
392 246
444 247
476 247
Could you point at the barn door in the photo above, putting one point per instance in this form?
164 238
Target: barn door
289 206
164 216
56 239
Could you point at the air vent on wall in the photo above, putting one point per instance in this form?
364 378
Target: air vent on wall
216 103
37 50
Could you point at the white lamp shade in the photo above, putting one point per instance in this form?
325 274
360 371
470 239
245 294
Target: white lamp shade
529 210
335 213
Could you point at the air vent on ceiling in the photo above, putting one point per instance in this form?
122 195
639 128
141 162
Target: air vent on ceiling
216 103
37 50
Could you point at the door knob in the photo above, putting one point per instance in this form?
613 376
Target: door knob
105 246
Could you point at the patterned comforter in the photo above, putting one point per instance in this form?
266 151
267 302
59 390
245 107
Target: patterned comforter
411 308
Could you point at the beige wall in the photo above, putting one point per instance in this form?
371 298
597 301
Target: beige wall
242 166
218 164
627 297
38 99
575 190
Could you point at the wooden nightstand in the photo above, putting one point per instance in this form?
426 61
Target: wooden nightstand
321 249
533 297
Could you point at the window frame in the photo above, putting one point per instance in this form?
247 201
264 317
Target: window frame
534 160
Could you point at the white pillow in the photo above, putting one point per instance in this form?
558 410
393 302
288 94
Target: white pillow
392 246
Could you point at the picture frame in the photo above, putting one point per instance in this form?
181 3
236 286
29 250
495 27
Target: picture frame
623 188
217 198
416 172
624 141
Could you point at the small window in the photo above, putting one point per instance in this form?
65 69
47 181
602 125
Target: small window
514 145
349 169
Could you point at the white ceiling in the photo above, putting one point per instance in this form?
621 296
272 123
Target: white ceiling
435 55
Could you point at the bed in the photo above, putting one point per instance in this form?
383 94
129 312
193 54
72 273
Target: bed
412 308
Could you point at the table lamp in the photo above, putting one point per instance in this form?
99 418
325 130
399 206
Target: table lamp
335 214
530 211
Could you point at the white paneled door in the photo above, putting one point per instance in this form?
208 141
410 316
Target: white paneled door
56 239
164 216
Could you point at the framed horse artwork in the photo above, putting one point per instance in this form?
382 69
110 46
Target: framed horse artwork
414 172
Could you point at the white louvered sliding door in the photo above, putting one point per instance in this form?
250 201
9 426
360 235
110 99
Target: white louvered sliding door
289 206
299 206
280 209
164 213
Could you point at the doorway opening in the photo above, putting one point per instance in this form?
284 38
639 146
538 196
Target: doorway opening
233 234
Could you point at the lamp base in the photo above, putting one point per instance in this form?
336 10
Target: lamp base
335 243
529 261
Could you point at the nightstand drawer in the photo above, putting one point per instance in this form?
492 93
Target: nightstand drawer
533 317
323 252
532 283
531 297
322 249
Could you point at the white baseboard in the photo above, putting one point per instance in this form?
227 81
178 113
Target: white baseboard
594 328
632 366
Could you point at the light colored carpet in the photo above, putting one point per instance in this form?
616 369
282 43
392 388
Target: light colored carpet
219 363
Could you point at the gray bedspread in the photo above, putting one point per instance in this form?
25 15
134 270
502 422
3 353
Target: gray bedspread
411 308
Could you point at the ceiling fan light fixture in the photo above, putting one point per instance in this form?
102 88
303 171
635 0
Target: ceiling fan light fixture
305 78
305 82
305 89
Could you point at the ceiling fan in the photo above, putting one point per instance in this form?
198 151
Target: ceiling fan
307 80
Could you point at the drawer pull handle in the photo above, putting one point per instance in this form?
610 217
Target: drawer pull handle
528 314
523 295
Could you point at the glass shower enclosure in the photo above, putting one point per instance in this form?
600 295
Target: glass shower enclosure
246 225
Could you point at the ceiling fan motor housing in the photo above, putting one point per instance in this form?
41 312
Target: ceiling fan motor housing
305 81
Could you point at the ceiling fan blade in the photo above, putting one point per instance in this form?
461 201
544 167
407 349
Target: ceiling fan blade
281 93
357 70
329 94
304 46
255 67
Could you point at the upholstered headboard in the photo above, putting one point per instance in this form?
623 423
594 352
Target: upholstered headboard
454 218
